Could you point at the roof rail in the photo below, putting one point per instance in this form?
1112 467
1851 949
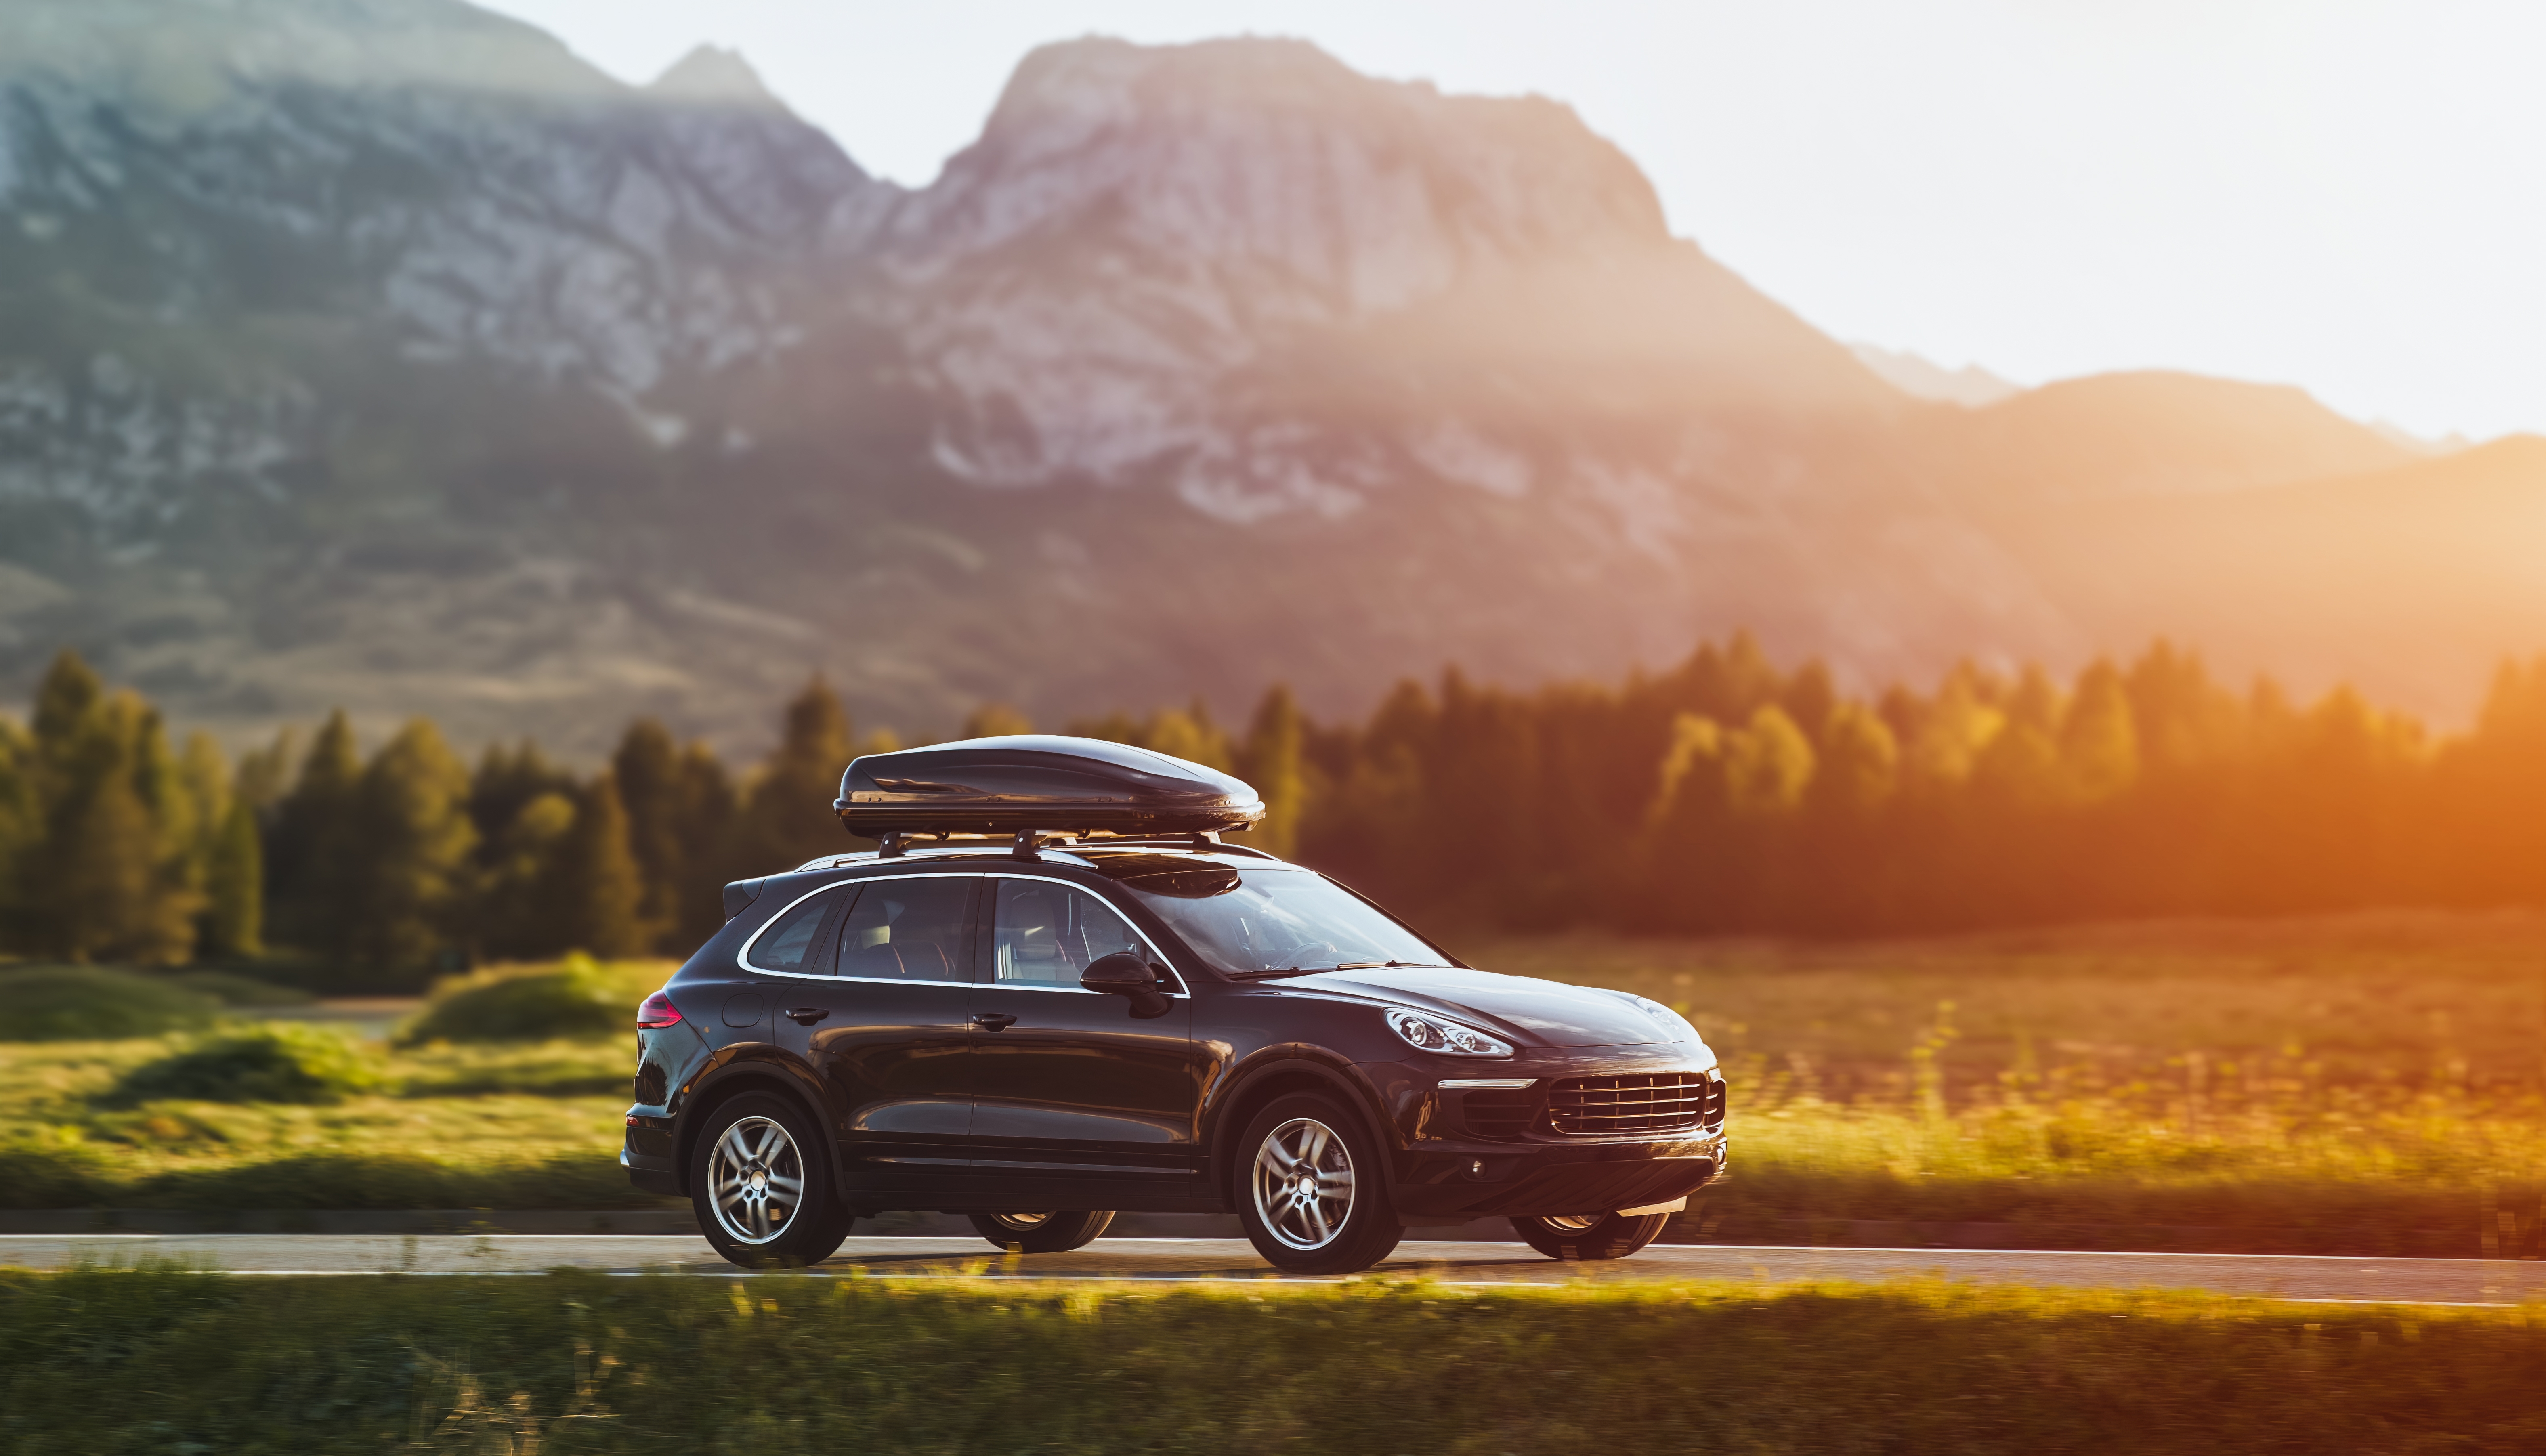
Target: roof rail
1070 845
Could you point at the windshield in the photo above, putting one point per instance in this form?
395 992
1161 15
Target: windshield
1251 922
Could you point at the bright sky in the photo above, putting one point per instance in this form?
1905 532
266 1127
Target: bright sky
2346 195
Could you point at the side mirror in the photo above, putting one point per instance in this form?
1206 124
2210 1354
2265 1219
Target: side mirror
1124 974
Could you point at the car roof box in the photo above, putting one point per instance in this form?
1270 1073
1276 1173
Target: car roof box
1039 782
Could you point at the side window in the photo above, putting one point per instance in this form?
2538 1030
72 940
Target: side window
1045 934
792 938
909 929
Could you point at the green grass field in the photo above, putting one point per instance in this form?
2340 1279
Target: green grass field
104 1361
2365 1084
2360 1085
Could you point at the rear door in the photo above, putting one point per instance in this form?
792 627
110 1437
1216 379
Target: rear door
879 1011
1067 1085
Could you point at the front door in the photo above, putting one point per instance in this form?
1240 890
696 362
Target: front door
1068 1088
883 1023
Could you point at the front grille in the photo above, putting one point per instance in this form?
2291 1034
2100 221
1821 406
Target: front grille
1645 1102
1500 1113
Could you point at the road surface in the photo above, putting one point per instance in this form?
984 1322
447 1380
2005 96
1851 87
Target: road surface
2308 1277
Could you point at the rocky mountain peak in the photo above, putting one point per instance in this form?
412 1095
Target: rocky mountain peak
178 62
712 75
1275 159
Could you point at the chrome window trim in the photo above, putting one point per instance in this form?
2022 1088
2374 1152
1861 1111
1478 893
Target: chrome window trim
742 955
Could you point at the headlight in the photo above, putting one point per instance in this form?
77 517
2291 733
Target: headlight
1448 1038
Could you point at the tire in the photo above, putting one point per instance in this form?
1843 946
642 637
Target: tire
1600 1236
1341 1225
1043 1232
757 1151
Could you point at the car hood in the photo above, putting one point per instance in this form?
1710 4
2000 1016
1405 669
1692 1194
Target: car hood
1546 1014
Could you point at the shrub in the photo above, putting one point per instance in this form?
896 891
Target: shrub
233 989
57 1003
261 1063
52 1172
576 998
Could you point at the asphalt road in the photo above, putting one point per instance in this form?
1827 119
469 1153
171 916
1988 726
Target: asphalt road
2308 1277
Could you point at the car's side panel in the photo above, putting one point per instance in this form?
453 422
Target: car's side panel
1066 1081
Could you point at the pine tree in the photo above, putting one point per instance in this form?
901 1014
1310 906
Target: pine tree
414 837
1274 764
2098 742
21 829
108 879
703 822
648 771
516 915
313 849
233 921
597 887
787 817
1859 764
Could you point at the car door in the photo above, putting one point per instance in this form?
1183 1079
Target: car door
880 1012
1067 1082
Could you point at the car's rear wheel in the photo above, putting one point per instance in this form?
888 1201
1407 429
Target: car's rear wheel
1312 1192
1595 1235
761 1187
1043 1232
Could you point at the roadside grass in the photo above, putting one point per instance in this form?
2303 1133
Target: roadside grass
517 1125
2330 1085
110 1362
2357 1085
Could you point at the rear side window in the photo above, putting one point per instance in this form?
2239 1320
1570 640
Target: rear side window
910 928
791 941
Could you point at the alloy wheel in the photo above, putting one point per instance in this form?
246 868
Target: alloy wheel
1303 1184
1021 1223
756 1177
1573 1223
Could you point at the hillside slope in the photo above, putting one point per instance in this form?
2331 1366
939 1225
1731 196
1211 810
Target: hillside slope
380 352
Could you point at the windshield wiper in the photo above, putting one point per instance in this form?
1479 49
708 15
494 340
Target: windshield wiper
1339 965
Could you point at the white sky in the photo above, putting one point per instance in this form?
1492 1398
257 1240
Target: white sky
2348 195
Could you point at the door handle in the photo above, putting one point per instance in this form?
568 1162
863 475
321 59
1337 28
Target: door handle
994 1021
806 1015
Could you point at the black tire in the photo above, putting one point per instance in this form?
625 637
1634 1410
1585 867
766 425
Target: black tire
1043 1232
1602 1235
1306 1228
764 1133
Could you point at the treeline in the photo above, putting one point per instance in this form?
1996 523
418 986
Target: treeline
1724 796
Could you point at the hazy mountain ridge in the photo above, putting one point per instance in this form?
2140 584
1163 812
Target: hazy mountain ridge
382 352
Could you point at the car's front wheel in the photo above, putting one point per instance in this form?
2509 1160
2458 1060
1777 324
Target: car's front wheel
761 1187
1311 1190
1043 1232
1597 1235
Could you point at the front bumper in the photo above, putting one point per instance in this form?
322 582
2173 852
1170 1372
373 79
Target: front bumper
1448 1171
1446 1182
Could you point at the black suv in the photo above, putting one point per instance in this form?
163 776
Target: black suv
1042 1032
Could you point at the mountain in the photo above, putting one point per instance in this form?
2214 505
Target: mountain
1922 378
2426 570
380 352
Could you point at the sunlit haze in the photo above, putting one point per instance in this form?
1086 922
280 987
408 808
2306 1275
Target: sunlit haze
2338 195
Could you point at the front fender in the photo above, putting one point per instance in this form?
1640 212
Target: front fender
1295 1061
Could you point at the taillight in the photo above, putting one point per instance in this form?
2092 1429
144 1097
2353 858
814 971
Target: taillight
658 1010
